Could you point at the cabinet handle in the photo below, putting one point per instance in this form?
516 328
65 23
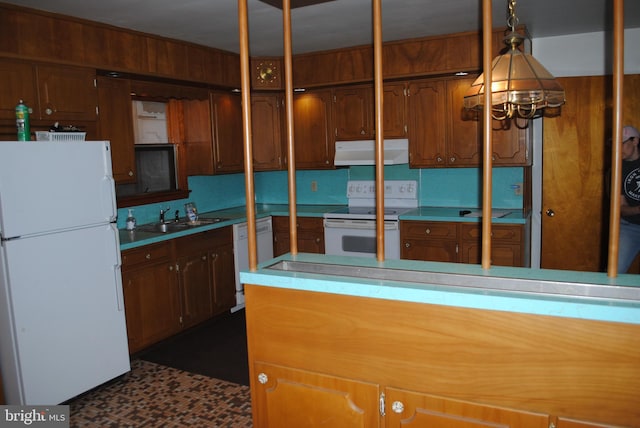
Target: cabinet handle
397 407
263 378
148 256
550 212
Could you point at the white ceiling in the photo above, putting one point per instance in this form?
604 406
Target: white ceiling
335 24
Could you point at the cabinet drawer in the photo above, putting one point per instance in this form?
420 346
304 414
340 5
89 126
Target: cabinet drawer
203 241
305 224
428 229
149 253
512 234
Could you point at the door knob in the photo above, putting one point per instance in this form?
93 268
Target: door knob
550 212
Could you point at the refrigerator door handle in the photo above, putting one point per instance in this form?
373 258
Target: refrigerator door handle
110 197
117 271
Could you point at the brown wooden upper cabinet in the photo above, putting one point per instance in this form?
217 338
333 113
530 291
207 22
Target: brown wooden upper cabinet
313 134
115 123
53 92
267 136
226 123
354 112
66 93
442 133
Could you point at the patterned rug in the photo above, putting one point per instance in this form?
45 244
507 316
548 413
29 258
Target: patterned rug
152 395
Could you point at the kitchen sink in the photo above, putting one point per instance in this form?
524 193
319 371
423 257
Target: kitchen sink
163 227
177 226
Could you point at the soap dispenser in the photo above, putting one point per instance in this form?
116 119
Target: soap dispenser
131 220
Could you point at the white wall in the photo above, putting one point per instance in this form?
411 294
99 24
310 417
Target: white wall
588 54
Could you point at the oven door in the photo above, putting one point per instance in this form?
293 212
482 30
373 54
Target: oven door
347 237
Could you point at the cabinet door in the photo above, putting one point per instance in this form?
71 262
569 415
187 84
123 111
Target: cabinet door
195 287
353 113
320 400
197 144
465 135
313 136
227 132
429 241
115 123
310 235
152 302
395 110
66 93
464 138
506 244
266 131
223 278
427 99
414 410
17 82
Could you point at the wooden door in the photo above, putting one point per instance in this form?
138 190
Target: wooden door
395 110
427 100
17 81
197 147
223 284
115 123
195 288
313 133
227 132
66 93
266 130
413 410
286 397
576 160
353 113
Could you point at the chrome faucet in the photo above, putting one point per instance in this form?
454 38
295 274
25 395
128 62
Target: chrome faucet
162 213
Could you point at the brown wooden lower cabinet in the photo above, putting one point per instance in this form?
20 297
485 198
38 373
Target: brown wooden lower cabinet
461 242
176 284
322 359
151 295
310 235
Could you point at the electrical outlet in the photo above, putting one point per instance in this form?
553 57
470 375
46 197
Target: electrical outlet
517 189
314 186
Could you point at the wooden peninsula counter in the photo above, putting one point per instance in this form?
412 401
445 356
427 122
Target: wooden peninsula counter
352 342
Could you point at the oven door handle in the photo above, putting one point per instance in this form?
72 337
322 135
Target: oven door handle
358 224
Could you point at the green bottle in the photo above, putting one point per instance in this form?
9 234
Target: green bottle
22 122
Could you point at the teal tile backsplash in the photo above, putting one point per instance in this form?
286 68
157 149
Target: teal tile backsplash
438 187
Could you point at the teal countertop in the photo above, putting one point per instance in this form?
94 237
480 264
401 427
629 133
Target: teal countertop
565 301
234 215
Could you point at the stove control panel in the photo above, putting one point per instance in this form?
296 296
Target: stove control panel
393 189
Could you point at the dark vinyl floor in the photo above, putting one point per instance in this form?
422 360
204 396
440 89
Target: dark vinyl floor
216 348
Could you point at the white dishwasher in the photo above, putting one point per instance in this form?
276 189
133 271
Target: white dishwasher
264 236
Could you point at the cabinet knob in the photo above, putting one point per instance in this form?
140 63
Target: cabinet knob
439 159
550 212
204 258
407 245
130 173
263 378
427 231
362 132
397 407
148 256
170 268
317 240
452 159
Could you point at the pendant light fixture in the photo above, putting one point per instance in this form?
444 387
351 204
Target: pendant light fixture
521 87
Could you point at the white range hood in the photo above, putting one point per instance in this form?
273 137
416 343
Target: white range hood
362 152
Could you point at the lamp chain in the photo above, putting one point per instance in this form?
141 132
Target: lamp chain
512 20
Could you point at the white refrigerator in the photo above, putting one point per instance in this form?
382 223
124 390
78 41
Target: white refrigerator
62 320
